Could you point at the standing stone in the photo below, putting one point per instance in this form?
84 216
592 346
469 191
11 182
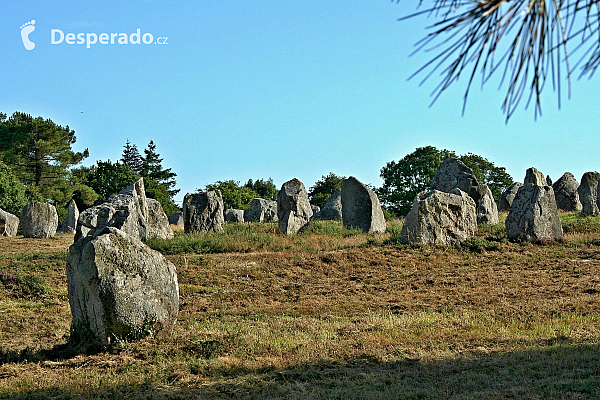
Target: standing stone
70 223
39 220
234 215
261 210
454 174
203 212
127 211
487 212
535 177
533 215
588 193
361 209
9 224
332 210
293 209
315 209
119 288
565 192
508 196
440 218
176 219
158 223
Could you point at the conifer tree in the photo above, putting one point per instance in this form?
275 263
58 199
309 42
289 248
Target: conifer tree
152 168
131 157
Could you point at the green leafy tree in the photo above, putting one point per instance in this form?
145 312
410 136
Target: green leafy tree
107 179
39 153
131 157
234 195
265 189
324 188
486 172
158 192
152 168
83 194
13 195
403 180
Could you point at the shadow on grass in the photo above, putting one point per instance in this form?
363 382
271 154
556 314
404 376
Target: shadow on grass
557 372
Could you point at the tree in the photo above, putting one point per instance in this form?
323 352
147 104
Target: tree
158 192
12 192
486 172
324 188
152 168
39 152
234 195
525 41
264 189
131 157
107 178
403 180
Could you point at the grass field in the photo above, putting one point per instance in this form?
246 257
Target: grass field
329 313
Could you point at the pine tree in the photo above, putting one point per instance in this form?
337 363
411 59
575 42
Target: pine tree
152 168
131 157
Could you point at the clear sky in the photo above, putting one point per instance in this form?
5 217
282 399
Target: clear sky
281 89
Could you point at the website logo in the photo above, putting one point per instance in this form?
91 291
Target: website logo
26 29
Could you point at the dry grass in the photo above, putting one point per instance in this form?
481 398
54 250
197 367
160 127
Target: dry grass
329 316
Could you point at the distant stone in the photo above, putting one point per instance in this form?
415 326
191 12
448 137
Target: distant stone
39 220
315 209
234 215
487 212
508 196
261 210
120 289
9 224
565 193
361 208
533 215
293 209
588 194
203 212
332 210
176 219
454 174
440 218
127 211
535 177
158 223
70 223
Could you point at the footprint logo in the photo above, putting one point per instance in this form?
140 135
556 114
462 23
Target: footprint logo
26 29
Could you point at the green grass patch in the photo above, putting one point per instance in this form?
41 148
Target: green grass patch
573 222
23 285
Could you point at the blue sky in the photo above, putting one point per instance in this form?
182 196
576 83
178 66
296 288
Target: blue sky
281 89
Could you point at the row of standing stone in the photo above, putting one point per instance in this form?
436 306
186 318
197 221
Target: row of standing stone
356 205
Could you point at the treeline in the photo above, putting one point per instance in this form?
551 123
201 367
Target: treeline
38 163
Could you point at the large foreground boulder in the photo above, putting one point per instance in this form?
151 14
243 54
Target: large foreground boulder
70 223
39 220
565 193
203 212
361 208
332 210
588 193
9 224
507 198
261 210
127 211
158 223
487 211
234 215
440 218
454 174
293 209
533 215
119 288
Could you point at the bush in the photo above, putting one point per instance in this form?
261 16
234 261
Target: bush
479 245
395 231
